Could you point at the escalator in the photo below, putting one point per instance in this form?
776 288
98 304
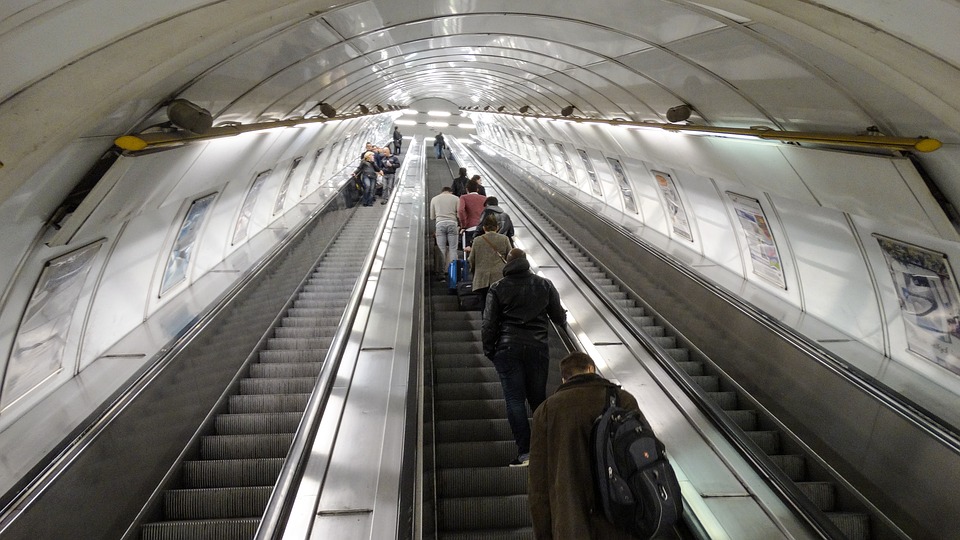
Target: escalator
847 514
223 489
477 496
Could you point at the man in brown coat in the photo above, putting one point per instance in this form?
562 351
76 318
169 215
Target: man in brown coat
563 502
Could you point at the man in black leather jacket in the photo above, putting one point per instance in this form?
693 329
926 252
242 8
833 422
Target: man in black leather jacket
515 322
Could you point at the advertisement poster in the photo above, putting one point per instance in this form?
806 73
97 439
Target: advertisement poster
674 206
763 249
928 298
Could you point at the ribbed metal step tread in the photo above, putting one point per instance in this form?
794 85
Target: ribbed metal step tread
457 375
461 391
279 370
467 513
209 473
268 445
463 430
215 503
217 529
287 385
476 454
253 423
267 403
292 356
854 526
483 481
522 533
470 409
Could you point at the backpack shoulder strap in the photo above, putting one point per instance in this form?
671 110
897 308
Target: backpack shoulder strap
613 396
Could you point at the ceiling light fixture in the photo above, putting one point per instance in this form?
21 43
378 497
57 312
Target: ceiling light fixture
189 116
567 111
364 109
524 109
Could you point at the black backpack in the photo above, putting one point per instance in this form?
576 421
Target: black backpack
636 486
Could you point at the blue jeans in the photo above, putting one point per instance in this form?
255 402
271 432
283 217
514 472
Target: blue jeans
523 377
369 188
388 181
439 151
447 242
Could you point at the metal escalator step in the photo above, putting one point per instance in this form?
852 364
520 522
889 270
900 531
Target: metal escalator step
251 423
635 311
211 473
458 320
692 368
333 295
461 347
794 465
725 400
215 503
644 321
321 301
201 529
300 321
272 370
822 494
768 441
482 482
520 533
710 383
454 375
477 360
292 356
304 332
457 391
746 419
466 513
854 526
476 454
291 385
679 355
272 445
486 429
267 403
315 312
471 409
626 303
667 342
460 334
653 330
297 343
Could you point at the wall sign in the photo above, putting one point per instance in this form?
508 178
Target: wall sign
928 297
673 205
764 256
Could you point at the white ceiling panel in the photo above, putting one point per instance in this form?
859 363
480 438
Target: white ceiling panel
794 96
711 97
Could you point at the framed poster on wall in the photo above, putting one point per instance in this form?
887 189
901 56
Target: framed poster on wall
673 205
927 291
764 256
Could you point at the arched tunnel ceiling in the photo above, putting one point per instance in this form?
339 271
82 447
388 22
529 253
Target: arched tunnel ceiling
81 68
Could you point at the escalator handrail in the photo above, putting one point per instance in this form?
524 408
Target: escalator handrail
281 500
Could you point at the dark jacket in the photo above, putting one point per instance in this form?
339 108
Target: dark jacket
519 308
396 135
503 220
459 186
563 503
367 169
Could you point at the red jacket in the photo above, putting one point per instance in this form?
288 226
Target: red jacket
470 208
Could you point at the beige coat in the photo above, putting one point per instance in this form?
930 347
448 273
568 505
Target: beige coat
485 262
563 503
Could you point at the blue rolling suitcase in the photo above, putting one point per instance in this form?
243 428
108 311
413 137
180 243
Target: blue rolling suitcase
456 273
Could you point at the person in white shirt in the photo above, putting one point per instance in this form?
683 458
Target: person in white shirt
443 209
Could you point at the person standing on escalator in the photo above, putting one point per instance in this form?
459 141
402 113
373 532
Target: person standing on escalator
515 329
